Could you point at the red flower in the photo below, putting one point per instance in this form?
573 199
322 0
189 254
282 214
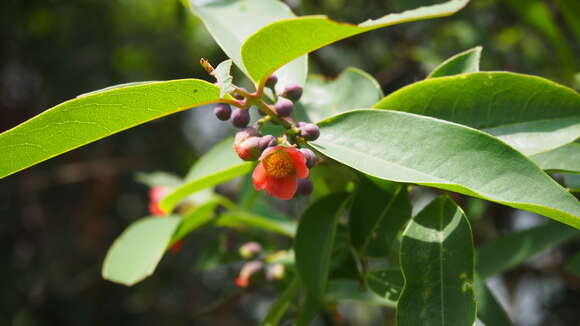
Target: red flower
155 196
278 170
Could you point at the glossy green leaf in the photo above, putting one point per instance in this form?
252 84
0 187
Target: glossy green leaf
217 166
345 290
276 44
437 261
198 217
565 158
353 88
314 242
404 147
231 22
461 63
387 283
224 78
281 305
136 253
530 113
91 117
378 212
489 310
574 265
515 248
241 219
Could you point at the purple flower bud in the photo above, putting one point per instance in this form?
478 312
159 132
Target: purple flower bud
293 92
309 156
309 131
240 118
284 107
267 141
301 124
245 133
223 111
271 81
305 187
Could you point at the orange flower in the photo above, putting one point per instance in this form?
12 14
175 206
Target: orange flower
278 170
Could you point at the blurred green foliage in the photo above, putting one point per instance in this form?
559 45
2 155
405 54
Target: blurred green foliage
58 219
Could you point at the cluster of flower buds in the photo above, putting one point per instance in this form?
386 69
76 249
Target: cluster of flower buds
253 250
283 167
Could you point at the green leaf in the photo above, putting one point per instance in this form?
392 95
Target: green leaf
224 78
565 158
489 310
353 88
461 63
241 219
572 182
88 118
530 113
136 253
344 290
378 212
574 265
231 22
198 217
217 166
279 307
283 41
404 147
387 283
314 242
437 261
515 248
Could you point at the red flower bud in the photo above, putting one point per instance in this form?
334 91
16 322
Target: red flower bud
249 149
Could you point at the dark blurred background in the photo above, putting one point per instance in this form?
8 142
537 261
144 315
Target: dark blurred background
58 219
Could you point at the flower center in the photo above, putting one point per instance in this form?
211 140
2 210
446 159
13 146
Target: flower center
278 164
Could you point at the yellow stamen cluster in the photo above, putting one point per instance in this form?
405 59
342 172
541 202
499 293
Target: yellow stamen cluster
278 164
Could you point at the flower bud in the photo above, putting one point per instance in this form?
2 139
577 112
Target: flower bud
293 92
249 149
250 249
271 81
305 187
248 269
309 131
275 272
309 156
244 134
240 118
223 111
284 107
267 141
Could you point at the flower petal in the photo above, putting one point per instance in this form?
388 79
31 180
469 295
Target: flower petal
299 162
283 188
259 177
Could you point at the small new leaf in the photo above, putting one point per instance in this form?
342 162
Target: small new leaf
224 78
